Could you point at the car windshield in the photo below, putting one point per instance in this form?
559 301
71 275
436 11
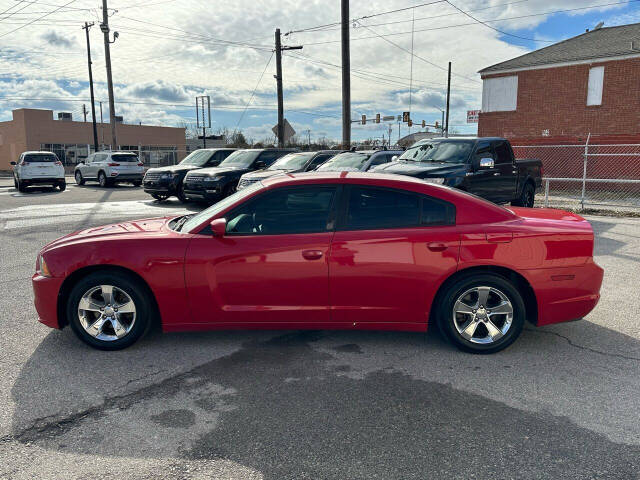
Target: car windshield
195 220
241 158
345 160
124 157
40 157
439 151
292 161
198 158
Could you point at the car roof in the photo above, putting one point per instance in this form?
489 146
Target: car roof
466 139
38 151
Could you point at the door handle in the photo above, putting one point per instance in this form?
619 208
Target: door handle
312 254
437 246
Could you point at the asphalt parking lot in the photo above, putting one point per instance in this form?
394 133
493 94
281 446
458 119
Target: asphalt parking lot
562 402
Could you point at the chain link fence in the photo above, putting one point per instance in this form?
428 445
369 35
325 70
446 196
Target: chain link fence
588 175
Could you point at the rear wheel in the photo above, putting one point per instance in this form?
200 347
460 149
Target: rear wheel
527 196
102 180
482 313
62 186
109 310
79 179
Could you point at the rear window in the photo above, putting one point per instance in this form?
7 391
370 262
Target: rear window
40 157
124 157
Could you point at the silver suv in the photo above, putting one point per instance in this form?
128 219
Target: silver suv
109 168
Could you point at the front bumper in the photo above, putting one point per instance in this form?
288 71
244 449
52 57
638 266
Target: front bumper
45 298
202 192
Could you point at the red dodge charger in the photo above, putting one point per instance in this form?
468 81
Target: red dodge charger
325 251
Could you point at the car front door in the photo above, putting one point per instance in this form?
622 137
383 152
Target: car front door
484 180
271 268
391 251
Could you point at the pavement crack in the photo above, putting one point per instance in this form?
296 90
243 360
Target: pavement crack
582 347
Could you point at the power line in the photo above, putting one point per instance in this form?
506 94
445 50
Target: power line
254 91
39 18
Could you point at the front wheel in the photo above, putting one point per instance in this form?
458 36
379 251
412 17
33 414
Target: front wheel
180 194
21 186
109 310
137 183
161 197
527 197
79 179
482 313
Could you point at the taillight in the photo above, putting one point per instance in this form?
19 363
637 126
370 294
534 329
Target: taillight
58 162
140 164
113 164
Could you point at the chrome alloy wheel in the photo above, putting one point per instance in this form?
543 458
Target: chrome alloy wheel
482 314
106 312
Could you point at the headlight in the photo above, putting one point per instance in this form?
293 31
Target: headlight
212 179
437 181
41 267
167 175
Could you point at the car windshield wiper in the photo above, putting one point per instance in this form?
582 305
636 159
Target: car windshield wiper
181 221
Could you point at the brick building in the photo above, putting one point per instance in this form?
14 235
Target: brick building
33 129
559 94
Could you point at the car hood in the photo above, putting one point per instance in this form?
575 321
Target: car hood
262 174
174 168
212 171
422 169
147 226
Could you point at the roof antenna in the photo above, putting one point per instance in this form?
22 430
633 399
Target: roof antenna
599 26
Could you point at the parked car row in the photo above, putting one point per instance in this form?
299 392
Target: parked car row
483 166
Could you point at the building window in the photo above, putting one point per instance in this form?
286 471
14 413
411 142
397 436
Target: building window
500 94
594 89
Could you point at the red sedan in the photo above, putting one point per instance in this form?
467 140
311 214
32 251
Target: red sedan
325 251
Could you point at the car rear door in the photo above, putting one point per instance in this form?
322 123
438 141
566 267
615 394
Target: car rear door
391 251
271 268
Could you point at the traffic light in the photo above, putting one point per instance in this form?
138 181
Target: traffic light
424 124
364 119
377 118
405 117
410 123
437 126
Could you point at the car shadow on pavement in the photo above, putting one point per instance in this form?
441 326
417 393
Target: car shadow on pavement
339 404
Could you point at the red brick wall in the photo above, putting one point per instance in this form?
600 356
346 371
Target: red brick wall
555 99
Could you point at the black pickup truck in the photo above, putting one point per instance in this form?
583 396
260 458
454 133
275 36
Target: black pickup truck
483 166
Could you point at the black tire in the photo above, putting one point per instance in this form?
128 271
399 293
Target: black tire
527 196
21 186
138 293
62 186
180 194
15 182
161 197
450 326
79 178
103 180
137 183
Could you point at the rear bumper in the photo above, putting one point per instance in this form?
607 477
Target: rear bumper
126 177
43 180
567 293
45 298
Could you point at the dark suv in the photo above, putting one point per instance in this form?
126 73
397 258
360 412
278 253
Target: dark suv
360 161
213 184
164 182
291 163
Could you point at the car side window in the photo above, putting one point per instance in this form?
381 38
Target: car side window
269 157
437 212
503 154
381 158
371 208
288 210
318 160
100 157
484 150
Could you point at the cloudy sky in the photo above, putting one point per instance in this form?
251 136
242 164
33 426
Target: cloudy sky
169 51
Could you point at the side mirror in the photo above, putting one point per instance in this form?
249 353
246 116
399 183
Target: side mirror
219 227
260 164
13 163
486 163
394 158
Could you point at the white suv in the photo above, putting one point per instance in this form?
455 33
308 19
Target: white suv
38 168
109 168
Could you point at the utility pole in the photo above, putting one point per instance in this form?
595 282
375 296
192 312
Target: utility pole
84 112
346 77
101 125
86 28
279 49
104 27
446 132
